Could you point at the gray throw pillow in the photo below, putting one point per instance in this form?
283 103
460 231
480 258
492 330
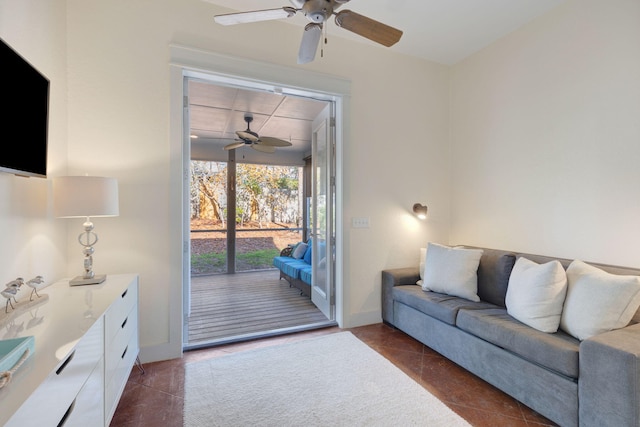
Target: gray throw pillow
299 250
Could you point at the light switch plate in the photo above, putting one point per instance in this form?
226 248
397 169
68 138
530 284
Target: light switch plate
361 222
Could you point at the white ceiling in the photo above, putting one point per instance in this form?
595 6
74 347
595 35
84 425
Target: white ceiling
444 31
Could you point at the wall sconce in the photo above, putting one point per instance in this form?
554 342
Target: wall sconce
420 210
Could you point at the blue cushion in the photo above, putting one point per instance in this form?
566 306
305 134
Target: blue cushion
279 261
307 254
306 274
289 266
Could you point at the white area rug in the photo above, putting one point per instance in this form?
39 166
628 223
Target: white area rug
332 380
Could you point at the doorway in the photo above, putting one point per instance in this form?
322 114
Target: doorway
206 99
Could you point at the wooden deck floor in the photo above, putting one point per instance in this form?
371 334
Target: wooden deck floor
235 307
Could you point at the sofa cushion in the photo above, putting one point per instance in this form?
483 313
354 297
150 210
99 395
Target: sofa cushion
557 352
440 306
493 275
598 301
279 261
290 266
306 274
452 271
307 254
536 294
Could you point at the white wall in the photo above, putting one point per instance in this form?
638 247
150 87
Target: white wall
119 93
545 137
32 242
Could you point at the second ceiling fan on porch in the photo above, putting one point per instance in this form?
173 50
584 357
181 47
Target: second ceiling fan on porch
265 144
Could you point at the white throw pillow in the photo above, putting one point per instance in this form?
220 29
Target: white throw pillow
452 271
598 301
536 293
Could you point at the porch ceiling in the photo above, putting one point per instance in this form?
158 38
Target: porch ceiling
217 112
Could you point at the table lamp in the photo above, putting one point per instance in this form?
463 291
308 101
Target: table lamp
85 197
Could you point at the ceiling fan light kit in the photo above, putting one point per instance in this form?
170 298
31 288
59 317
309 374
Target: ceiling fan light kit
318 12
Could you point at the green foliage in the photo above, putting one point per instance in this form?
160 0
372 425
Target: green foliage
287 183
260 259
208 261
216 262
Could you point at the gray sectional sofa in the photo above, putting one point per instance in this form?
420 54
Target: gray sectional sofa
589 382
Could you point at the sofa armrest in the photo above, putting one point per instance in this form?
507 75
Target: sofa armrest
391 278
286 251
609 384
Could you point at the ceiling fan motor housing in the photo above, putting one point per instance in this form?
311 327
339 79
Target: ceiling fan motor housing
317 11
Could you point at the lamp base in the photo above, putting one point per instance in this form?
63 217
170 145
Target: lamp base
79 280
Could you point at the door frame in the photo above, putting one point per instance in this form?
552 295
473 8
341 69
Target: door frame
190 62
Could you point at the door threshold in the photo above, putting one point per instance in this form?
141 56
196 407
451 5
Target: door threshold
258 335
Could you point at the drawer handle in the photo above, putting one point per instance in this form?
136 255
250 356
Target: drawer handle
124 293
65 417
124 323
125 352
65 363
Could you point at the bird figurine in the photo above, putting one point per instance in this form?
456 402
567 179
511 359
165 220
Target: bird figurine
33 284
10 291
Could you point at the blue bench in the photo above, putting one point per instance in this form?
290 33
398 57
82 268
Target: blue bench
296 271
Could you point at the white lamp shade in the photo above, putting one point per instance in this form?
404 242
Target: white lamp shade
85 196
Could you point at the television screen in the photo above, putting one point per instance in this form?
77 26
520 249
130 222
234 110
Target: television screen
24 97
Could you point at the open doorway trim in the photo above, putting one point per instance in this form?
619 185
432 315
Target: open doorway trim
192 62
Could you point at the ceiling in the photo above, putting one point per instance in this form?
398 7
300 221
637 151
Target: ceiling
217 112
443 31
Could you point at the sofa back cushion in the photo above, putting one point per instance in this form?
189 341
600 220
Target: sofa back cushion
307 254
493 275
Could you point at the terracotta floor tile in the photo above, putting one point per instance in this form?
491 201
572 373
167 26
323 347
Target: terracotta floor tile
157 396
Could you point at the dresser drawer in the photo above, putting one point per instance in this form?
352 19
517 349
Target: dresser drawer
118 346
50 401
87 408
120 365
119 310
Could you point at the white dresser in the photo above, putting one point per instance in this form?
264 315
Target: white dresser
86 343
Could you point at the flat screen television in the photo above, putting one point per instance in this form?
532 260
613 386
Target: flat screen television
24 116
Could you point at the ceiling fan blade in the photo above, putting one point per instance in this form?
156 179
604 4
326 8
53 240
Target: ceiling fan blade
255 16
339 3
309 44
368 28
246 135
234 145
274 142
263 148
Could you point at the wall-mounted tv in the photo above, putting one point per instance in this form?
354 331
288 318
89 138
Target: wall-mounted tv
24 116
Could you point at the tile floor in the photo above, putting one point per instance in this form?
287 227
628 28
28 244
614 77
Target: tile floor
156 397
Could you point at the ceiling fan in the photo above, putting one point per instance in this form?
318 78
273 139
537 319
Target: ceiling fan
318 12
265 144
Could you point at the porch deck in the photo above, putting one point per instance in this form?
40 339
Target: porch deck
235 307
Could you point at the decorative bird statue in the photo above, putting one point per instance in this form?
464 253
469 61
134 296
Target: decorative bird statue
33 284
10 291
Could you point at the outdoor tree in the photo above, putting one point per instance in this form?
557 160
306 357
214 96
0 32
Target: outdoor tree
263 193
208 187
